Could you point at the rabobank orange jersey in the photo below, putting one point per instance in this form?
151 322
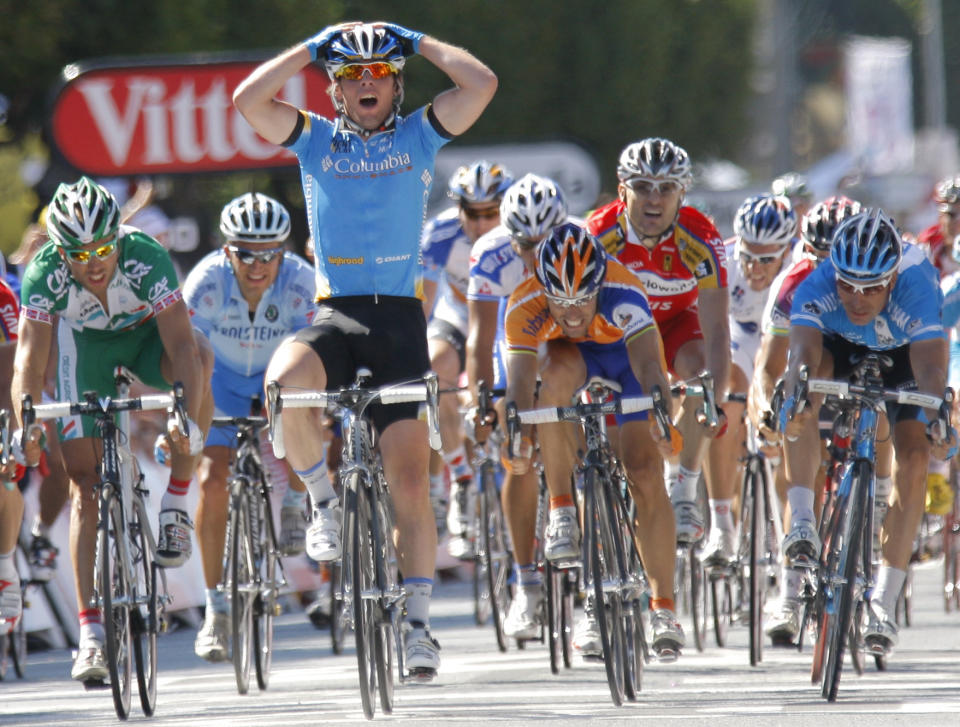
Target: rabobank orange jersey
623 313
9 314
673 273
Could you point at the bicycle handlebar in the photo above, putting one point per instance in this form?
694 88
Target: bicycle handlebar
356 398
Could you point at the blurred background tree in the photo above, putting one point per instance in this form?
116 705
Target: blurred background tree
597 72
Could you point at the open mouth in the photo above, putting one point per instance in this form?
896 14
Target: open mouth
368 101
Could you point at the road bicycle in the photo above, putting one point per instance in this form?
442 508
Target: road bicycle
492 559
845 569
252 571
130 588
608 546
372 592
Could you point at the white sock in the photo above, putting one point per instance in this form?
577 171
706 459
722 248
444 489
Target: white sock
418 591
889 584
801 504
317 481
685 488
169 501
722 514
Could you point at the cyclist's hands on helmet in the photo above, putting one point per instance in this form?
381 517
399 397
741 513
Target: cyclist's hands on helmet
409 39
317 45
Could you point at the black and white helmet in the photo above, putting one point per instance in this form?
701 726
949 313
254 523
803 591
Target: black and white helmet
819 224
532 206
655 158
255 217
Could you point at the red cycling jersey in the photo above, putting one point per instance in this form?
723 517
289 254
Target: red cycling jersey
677 268
9 313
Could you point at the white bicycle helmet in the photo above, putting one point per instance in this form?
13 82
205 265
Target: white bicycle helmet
532 206
81 213
255 217
655 158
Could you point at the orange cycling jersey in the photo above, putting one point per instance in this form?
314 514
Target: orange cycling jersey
677 268
623 313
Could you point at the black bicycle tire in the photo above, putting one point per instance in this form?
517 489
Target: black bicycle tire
381 531
593 517
145 642
553 586
338 626
494 551
241 610
756 578
361 582
720 604
847 565
698 600
265 601
112 585
634 655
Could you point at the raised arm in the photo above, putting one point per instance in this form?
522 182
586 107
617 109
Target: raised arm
256 96
458 108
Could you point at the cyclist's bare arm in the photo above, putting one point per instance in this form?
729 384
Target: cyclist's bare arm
713 305
180 346
806 349
482 316
771 363
645 362
34 339
928 359
256 96
458 108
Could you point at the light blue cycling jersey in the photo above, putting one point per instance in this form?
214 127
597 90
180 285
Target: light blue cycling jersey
218 308
446 261
366 202
912 312
950 286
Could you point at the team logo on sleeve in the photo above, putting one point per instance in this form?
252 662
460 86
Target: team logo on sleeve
812 308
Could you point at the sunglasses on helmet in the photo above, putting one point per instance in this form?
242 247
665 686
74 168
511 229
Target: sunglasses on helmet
355 71
248 257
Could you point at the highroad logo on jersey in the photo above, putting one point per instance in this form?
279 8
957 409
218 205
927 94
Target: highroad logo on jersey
170 114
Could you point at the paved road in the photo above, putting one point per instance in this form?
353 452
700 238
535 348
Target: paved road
477 683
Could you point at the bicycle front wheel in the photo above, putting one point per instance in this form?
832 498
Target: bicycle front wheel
241 593
361 582
115 597
756 580
265 600
146 615
493 543
845 554
600 549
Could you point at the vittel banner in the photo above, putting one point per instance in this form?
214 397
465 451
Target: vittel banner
171 115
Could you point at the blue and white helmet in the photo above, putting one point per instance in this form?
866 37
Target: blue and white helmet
363 44
479 183
866 247
766 219
532 206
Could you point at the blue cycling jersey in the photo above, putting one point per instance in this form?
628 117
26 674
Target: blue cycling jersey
912 312
445 248
366 202
243 346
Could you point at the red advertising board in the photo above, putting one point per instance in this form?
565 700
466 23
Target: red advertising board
169 116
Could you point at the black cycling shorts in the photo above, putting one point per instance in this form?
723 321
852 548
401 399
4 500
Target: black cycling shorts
898 376
386 334
438 329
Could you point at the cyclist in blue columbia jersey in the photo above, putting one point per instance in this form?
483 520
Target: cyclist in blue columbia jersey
114 291
445 244
367 176
246 297
877 294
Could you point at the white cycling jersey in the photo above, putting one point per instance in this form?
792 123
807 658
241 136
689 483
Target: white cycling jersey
746 311
218 308
446 261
